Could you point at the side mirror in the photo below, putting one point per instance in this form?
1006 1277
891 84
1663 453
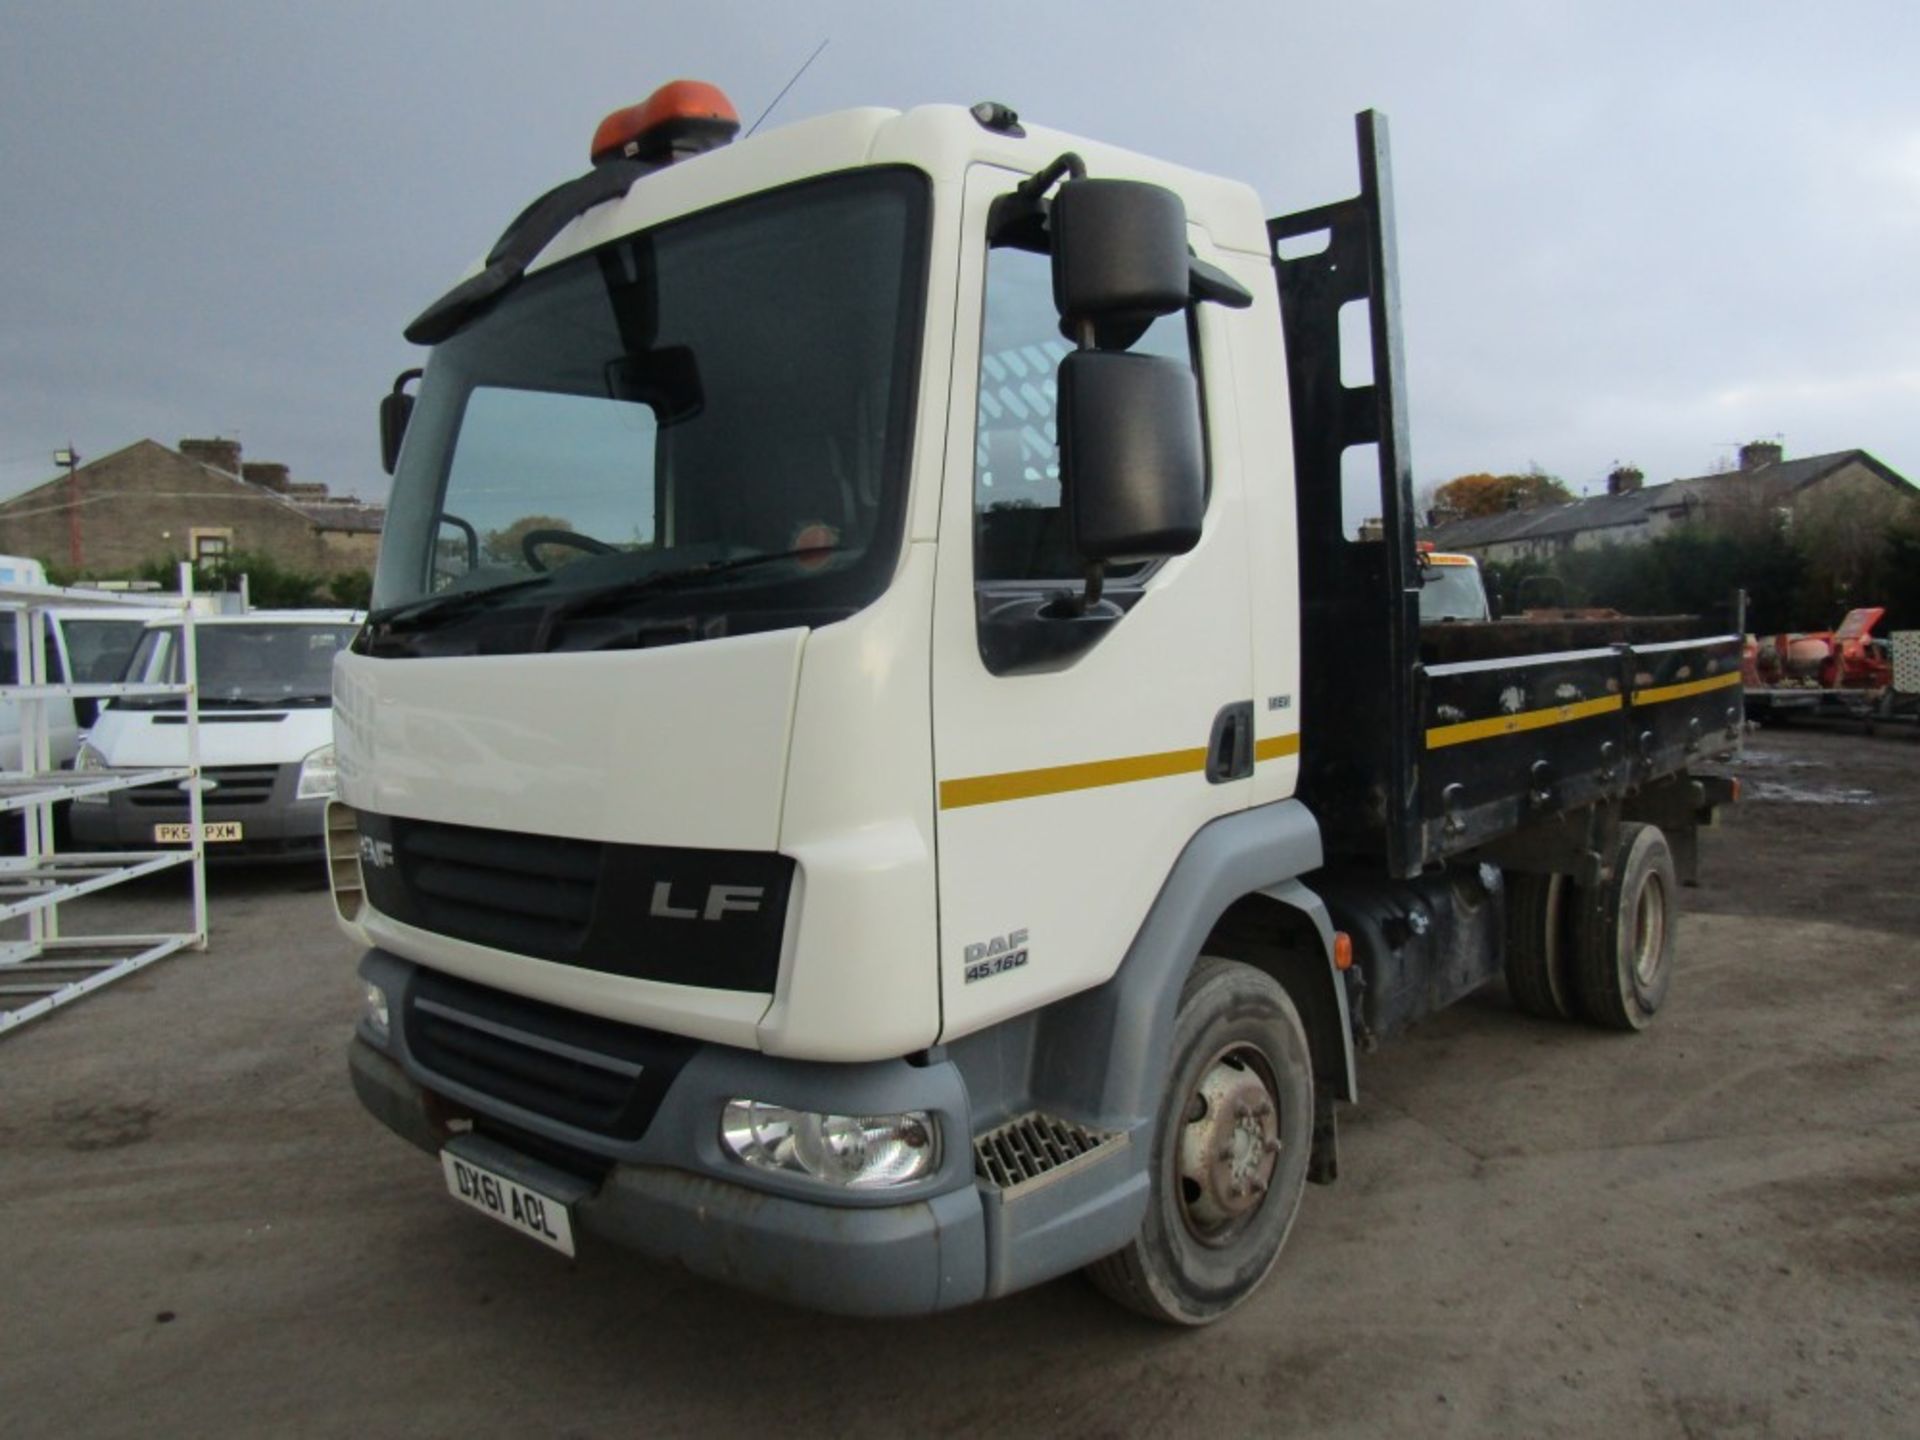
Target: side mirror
396 408
1132 461
1119 252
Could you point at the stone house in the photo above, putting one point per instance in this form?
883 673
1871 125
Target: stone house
1767 487
198 501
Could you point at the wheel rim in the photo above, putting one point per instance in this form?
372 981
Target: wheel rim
1649 930
1229 1144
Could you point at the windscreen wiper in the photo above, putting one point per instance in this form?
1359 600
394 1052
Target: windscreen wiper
448 603
663 580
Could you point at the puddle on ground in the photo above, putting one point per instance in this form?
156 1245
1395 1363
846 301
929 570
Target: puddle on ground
1774 760
1804 794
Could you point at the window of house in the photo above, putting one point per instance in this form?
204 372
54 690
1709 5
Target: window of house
210 547
1020 530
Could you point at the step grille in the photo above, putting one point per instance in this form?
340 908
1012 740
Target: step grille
1034 1145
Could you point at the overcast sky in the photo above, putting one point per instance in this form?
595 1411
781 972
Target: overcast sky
1637 232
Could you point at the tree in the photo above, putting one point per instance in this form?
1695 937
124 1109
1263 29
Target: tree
1851 534
505 547
1692 570
270 585
352 590
1484 494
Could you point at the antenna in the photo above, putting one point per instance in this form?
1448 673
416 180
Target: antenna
786 87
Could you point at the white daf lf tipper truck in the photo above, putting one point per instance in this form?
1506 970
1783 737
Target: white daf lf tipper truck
876 770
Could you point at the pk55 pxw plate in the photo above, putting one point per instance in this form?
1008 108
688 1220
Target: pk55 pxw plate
211 831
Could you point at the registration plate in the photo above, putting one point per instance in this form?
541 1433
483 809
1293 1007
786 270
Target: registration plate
531 1213
210 831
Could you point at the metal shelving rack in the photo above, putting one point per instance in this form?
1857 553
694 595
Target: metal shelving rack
45 969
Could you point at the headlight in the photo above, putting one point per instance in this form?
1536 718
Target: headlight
317 775
89 758
862 1152
374 1010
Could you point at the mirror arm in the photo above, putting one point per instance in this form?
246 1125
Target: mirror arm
1036 185
465 527
1019 217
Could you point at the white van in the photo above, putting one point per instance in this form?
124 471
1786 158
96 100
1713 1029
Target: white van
266 737
85 645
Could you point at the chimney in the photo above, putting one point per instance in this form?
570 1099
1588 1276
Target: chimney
220 454
1623 478
267 474
1757 453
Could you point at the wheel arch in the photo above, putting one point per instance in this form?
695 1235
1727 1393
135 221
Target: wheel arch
1285 931
1103 1054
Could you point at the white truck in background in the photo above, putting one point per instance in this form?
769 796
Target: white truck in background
265 698
876 771
1451 588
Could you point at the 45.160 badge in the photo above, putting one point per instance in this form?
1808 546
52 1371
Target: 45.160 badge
996 956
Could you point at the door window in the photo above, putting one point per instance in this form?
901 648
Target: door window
1020 530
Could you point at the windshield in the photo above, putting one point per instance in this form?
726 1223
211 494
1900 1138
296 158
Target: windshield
99 649
1452 592
697 430
242 666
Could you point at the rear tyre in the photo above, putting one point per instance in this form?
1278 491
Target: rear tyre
1624 941
1230 1151
1539 908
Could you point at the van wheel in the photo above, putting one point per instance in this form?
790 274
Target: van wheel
1230 1151
1624 939
1538 940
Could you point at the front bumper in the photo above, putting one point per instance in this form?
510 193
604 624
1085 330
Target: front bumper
669 1192
895 1260
273 821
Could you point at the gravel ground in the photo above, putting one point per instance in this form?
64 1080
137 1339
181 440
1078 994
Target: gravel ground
1710 1229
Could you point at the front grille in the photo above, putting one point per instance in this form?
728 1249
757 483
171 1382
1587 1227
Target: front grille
526 893
234 785
1034 1145
711 918
592 1074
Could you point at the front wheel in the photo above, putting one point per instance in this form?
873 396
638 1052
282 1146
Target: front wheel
1230 1154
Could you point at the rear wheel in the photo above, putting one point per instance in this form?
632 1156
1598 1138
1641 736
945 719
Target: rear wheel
1539 908
1624 943
1231 1146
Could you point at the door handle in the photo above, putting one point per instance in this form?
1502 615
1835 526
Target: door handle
1230 746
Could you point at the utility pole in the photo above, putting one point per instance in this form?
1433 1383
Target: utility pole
71 459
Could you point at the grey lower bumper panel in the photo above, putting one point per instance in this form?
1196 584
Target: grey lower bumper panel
894 1260
902 1260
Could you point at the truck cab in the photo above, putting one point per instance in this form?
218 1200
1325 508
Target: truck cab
821 788
1452 589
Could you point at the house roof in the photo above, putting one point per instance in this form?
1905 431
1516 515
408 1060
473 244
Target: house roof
353 518
1637 507
348 516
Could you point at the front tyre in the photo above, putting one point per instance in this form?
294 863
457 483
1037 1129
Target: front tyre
1230 1151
